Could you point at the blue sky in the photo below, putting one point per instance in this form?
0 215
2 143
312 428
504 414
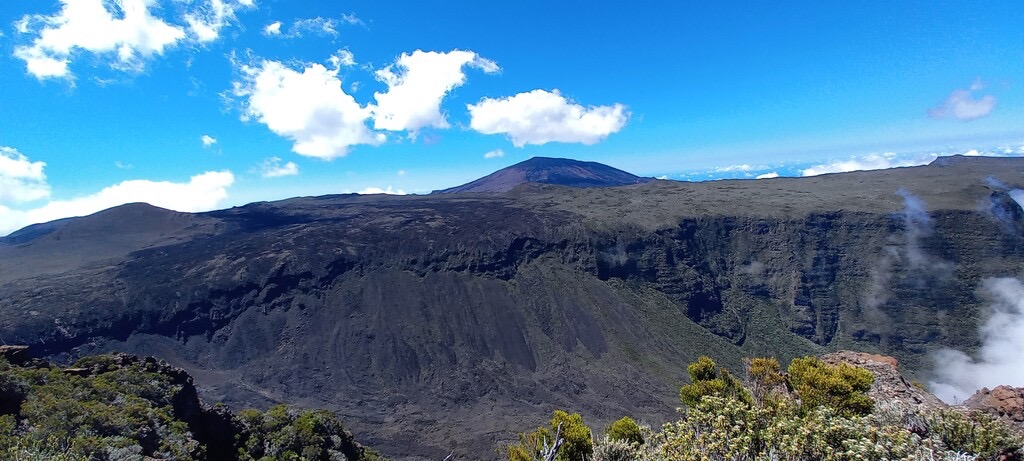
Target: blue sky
203 104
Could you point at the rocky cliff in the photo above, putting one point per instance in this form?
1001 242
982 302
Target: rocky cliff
487 310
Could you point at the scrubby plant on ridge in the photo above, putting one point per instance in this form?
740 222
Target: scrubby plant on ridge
816 411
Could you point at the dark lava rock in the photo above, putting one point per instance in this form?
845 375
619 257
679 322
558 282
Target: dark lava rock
555 171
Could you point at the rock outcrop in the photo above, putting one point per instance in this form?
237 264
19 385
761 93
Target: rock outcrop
1005 402
890 387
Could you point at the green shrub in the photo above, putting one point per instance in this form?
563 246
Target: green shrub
577 444
978 434
610 449
706 378
824 418
841 387
625 430
530 445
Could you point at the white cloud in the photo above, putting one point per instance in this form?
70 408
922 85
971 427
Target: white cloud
352 19
962 105
307 106
273 28
540 117
870 162
377 190
272 168
417 83
202 192
402 172
343 58
207 140
21 180
774 174
316 26
742 167
91 26
206 21
496 153
326 27
1000 360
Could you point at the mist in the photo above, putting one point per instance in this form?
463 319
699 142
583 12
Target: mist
904 250
1000 360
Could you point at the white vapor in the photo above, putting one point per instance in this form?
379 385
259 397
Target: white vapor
21 180
496 153
1001 357
870 162
539 117
273 168
272 29
201 193
962 105
91 26
308 106
377 190
417 83
206 21
207 140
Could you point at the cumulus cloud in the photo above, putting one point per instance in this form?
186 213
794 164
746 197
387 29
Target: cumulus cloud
202 192
207 140
870 162
774 174
377 190
273 168
539 117
125 29
21 180
273 28
124 33
1001 357
962 104
496 153
417 83
206 21
308 106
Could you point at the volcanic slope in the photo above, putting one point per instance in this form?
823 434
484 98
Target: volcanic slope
545 170
448 321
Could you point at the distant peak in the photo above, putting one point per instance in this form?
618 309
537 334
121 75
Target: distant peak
549 170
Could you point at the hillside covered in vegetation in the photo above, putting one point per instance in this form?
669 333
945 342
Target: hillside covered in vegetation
842 406
122 407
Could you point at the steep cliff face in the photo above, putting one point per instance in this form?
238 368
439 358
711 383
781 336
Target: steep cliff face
461 316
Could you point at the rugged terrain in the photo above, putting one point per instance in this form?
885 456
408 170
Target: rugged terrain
446 321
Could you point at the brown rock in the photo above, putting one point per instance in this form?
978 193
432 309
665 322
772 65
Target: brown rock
889 387
1003 401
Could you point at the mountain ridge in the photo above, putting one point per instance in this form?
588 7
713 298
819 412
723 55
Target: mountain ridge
491 308
549 170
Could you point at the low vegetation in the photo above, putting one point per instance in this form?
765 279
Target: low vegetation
813 411
127 408
112 408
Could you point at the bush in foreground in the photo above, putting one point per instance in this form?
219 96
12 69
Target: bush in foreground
816 411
